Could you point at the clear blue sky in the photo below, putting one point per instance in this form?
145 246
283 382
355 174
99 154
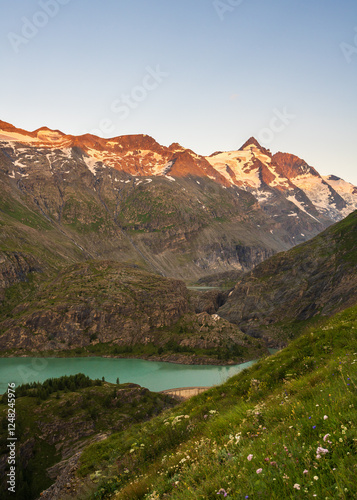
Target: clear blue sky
229 68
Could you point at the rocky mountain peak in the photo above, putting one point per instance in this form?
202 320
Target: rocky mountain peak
252 143
9 132
292 166
47 134
175 146
6 126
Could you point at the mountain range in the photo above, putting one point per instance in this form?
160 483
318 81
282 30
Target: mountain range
167 209
100 243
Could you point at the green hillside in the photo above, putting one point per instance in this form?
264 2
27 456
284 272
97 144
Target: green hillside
57 419
263 434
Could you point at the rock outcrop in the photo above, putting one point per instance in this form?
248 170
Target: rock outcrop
116 309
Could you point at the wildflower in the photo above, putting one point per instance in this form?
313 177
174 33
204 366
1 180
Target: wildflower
316 478
314 426
297 486
325 417
259 471
321 450
305 471
325 438
249 457
222 492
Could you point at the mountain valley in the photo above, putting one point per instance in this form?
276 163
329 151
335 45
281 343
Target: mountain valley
122 247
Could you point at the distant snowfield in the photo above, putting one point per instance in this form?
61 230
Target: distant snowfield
14 136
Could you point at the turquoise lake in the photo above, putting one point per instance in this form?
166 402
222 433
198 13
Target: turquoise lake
156 376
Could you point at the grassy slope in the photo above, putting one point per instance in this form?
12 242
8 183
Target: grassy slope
25 230
275 411
65 421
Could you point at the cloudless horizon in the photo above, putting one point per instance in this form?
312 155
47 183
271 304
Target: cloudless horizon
207 74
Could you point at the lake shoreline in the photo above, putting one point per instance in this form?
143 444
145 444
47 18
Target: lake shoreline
180 359
153 375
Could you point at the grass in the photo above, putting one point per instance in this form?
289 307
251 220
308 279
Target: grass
22 214
54 418
278 413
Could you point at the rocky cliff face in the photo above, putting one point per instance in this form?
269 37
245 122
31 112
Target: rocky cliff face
96 302
15 267
109 308
312 280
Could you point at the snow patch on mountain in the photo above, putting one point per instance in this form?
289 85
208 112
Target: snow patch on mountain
279 180
300 205
49 135
17 163
15 136
91 162
163 170
318 192
240 164
345 189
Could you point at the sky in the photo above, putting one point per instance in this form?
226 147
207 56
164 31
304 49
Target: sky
207 74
